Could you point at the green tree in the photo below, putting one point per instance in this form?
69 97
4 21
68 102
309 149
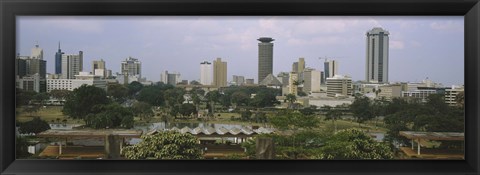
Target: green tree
294 121
246 115
153 95
461 99
112 115
21 148
36 126
134 87
308 110
193 82
213 97
354 144
80 102
59 94
240 98
174 96
143 110
333 114
165 145
361 109
24 97
266 97
118 92
187 109
41 98
290 98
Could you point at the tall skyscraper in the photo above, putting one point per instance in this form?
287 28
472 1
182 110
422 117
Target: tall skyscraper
72 65
37 52
265 57
331 68
98 68
131 67
58 60
206 74
376 65
219 73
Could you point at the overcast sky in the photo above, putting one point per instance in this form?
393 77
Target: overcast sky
420 47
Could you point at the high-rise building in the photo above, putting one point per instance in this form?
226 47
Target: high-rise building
312 80
31 71
72 65
238 80
339 85
131 67
265 57
36 66
298 66
58 60
206 74
219 73
98 68
170 78
376 65
20 67
37 52
330 68
292 88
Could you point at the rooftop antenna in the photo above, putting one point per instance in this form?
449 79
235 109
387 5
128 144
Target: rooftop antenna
36 43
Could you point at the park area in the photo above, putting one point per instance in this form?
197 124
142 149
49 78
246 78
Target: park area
228 123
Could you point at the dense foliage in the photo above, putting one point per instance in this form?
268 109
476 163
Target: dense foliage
164 145
80 101
110 116
433 116
36 126
354 144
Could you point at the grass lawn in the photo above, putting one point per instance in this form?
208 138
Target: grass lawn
48 114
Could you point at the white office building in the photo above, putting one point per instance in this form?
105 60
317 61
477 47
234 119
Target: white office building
71 84
37 52
206 73
339 86
131 67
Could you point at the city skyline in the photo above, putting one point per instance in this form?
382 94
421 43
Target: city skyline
425 41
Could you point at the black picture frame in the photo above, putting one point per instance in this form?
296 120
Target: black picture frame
470 9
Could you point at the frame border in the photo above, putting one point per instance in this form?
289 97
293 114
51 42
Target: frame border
470 9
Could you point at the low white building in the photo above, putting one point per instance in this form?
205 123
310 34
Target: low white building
339 85
321 102
71 84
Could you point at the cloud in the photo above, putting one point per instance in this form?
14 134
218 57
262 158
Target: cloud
446 26
84 25
397 45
